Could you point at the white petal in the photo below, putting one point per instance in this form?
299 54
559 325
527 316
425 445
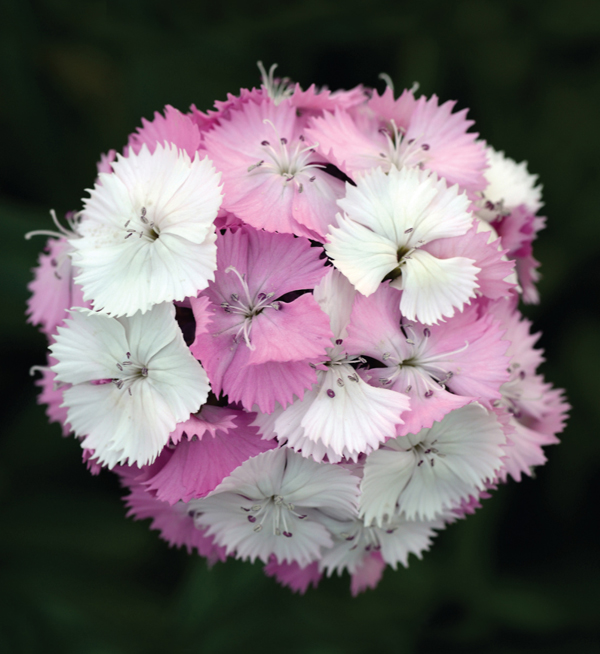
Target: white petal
364 256
358 417
433 288
335 296
147 234
161 382
423 484
88 348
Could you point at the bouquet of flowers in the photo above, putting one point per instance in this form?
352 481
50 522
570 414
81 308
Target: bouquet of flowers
290 326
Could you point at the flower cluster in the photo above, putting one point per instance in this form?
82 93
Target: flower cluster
290 326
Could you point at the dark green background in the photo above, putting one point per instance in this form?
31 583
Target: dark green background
522 575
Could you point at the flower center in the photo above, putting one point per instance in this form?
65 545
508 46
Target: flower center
275 506
399 151
248 308
144 229
129 372
283 159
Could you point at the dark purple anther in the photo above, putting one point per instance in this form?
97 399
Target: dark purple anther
251 518
287 534
283 140
420 463
265 143
351 538
427 332
301 137
53 263
261 296
338 341
330 393
489 205
410 141
312 179
522 374
425 146
128 355
429 393
409 230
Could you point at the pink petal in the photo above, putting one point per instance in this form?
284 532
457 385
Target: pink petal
173 127
493 269
368 574
299 330
173 522
293 576
196 467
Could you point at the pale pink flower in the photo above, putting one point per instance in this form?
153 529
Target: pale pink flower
258 345
53 288
440 367
210 446
537 412
174 127
509 204
174 523
293 576
272 178
394 540
414 133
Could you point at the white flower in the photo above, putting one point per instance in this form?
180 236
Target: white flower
394 540
133 379
510 183
273 503
341 416
146 233
422 475
388 219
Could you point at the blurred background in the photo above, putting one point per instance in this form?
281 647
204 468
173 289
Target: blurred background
523 574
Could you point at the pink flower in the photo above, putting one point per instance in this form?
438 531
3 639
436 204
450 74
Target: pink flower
272 177
414 133
205 455
293 576
54 290
173 127
440 367
174 523
259 345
